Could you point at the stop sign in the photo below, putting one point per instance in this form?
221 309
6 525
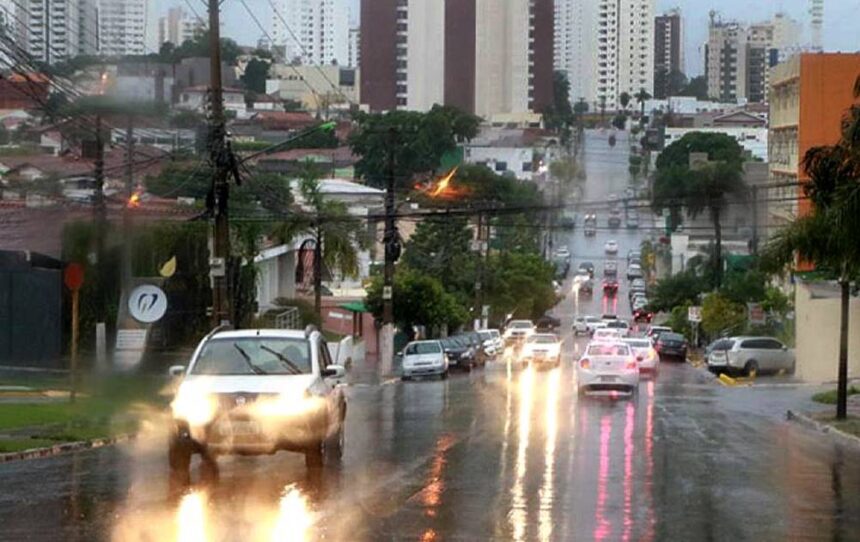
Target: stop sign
73 276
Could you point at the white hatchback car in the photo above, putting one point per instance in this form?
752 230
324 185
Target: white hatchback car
607 367
611 247
605 334
622 327
424 358
518 330
254 392
645 354
542 350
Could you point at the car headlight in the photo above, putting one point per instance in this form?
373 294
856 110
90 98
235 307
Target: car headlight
293 402
469 353
195 406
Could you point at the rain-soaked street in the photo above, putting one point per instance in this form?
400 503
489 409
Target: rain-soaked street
497 454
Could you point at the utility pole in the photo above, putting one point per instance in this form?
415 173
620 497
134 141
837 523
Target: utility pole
318 254
220 187
126 211
754 244
392 252
99 175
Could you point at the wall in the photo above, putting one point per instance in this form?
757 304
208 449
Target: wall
425 54
817 321
514 157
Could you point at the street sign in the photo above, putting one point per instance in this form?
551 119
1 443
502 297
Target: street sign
694 314
386 292
147 303
756 314
73 276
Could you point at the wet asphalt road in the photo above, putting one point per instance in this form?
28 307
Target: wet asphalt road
492 455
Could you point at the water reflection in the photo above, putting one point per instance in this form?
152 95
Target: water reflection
551 430
294 519
431 495
517 517
628 471
603 527
191 524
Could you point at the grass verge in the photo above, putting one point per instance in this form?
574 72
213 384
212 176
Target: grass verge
829 397
108 409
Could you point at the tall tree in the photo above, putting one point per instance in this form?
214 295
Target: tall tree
254 78
337 234
641 97
828 236
624 98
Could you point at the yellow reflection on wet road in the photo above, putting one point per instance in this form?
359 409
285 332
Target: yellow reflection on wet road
191 518
294 517
517 516
551 429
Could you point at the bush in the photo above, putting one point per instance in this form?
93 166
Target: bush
829 397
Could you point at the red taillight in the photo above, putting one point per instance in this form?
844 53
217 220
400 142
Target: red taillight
631 364
585 363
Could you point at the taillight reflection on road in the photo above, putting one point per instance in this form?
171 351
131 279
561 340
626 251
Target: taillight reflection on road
294 517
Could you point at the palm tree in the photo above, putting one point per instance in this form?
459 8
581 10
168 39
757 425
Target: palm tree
706 189
641 97
337 234
624 98
828 236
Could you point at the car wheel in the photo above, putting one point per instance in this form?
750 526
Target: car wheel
444 376
751 368
333 445
179 458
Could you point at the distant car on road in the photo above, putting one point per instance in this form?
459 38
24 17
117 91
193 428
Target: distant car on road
620 326
541 350
605 333
638 283
518 331
547 322
494 345
611 247
632 221
587 268
750 355
633 255
460 352
671 345
607 367
586 287
563 252
610 286
614 221
653 332
589 225
582 324
634 271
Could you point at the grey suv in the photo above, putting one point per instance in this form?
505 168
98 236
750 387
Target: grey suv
750 355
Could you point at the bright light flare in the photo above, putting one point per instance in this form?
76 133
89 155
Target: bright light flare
442 187
288 404
194 405
294 517
191 519
134 200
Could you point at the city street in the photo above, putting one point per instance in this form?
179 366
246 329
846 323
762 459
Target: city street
496 454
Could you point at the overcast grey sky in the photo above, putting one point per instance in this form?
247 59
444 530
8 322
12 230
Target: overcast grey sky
840 27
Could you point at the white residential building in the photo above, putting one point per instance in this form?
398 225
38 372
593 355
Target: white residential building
312 31
354 47
753 140
178 27
606 47
50 29
127 27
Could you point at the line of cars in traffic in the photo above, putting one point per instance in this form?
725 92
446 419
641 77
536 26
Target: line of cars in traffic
464 351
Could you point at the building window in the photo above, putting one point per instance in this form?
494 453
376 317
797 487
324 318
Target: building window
501 166
527 166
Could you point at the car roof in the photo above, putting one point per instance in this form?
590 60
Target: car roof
748 337
550 335
424 341
673 333
250 333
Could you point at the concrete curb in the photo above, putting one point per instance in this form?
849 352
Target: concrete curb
836 434
65 447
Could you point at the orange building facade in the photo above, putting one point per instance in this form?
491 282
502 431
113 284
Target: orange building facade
809 96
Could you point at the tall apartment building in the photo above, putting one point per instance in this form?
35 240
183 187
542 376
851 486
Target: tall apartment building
575 43
668 51
809 95
126 27
178 26
312 32
354 56
49 30
487 57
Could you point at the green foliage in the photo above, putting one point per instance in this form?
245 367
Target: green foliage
559 116
442 248
719 148
198 46
419 300
745 286
5 137
418 141
187 119
678 321
624 98
256 72
680 289
519 283
720 314
697 86
619 121
829 397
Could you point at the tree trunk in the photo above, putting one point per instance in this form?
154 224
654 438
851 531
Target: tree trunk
718 247
318 252
842 379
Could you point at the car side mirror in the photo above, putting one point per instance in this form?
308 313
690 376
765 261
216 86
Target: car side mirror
334 371
399 354
784 348
176 370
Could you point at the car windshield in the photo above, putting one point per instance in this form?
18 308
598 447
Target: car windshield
671 337
722 344
486 335
521 324
430 347
617 324
614 349
254 355
592 319
543 339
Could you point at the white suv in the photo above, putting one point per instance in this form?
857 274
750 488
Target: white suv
255 392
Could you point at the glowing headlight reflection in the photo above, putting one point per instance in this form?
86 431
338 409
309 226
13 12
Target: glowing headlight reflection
294 517
194 405
291 403
191 519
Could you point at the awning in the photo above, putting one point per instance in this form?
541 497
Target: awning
355 306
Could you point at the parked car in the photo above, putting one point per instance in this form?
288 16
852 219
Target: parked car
541 350
619 325
568 222
595 327
518 331
494 345
607 367
653 332
671 345
750 355
547 322
645 354
634 272
255 392
563 252
611 247
638 283
632 221
641 312
460 351
633 255
424 358
589 225
614 221
634 292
